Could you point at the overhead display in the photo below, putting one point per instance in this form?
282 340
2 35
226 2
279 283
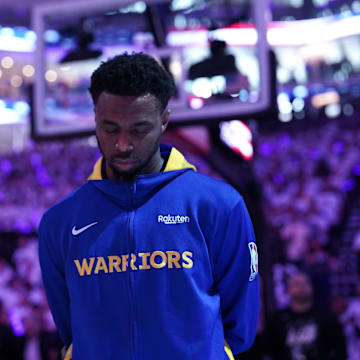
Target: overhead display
216 51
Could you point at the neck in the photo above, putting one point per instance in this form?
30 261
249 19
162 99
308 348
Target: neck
154 165
300 307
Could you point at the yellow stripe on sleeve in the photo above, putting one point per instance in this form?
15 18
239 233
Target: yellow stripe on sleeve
68 355
228 351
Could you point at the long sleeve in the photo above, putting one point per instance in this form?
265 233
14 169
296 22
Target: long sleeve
235 272
53 274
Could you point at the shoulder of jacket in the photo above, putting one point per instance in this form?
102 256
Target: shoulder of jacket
211 183
213 189
72 198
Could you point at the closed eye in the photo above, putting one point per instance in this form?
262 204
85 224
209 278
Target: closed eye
110 128
140 132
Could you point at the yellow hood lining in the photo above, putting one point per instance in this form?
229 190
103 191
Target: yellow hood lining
176 161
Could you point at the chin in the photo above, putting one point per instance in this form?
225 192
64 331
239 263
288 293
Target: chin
125 174
130 173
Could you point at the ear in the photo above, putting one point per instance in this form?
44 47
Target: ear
94 109
165 120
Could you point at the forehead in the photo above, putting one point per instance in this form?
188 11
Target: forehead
114 105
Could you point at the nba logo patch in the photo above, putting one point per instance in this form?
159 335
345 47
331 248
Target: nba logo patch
254 261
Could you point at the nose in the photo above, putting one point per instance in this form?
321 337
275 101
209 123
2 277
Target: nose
124 143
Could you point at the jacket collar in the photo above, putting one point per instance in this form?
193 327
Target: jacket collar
176 161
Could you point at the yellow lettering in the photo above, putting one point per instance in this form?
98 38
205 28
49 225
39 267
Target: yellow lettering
186 255
101 265
125 262
173 258
132 262
114 262
163 259
145 265
84 267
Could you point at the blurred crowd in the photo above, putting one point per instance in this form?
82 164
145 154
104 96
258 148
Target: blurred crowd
33 180
27 330
305 177
30 182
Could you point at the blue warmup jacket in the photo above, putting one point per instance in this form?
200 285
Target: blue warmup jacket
162 268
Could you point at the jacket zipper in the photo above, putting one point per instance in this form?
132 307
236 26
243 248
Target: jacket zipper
131 273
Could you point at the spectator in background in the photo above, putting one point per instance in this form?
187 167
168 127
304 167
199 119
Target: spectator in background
319 265
41 342
219 63
356 248
50 342
9 343
351 322
6 273
295 235
31 346
26 260
301 332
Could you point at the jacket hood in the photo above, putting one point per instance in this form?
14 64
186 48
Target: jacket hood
132 194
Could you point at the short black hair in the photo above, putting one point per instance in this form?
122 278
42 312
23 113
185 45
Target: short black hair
133 74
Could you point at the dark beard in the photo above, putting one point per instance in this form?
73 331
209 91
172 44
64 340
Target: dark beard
130 176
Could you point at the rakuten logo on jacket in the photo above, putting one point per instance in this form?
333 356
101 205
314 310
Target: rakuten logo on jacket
140 261
173 219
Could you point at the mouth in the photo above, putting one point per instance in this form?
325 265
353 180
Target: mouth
124 162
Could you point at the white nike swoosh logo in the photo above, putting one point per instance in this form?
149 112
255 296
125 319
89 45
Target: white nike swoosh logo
75 231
